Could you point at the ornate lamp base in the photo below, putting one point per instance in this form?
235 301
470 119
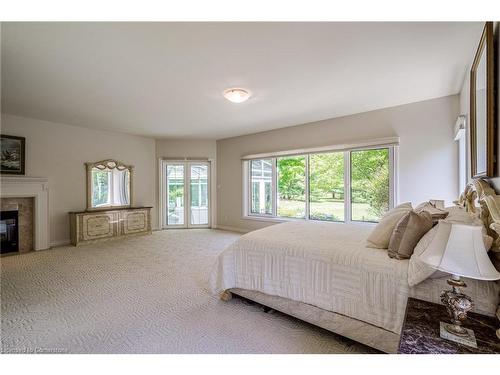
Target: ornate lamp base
457 304
468 339
456 329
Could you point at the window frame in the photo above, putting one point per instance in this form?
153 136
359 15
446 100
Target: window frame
247 184
273 187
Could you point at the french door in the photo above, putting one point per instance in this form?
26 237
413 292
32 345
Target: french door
185 194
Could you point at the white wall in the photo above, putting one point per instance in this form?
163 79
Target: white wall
59 151
190 149
465 103
428 155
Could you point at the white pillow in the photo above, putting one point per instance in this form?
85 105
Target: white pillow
381 234
418 271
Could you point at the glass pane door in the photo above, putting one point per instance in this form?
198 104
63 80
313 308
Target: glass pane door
175 195
186 194
198 193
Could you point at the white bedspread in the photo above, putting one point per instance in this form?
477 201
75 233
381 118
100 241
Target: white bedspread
329 266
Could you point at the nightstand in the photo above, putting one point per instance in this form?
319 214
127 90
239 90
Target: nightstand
420 333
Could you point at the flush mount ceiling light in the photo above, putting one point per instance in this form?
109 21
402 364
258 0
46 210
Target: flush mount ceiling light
236 95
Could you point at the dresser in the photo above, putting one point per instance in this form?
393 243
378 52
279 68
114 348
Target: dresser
102 225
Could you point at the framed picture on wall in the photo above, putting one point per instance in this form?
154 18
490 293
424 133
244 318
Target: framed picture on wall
12 153
482 107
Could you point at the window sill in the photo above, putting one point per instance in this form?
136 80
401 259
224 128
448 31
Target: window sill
287 219
268 218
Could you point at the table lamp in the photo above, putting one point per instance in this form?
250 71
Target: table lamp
458 249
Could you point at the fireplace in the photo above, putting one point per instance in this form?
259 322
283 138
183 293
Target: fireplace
33 224
9 231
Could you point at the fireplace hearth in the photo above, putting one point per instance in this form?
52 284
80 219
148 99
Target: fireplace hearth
33 227
9 232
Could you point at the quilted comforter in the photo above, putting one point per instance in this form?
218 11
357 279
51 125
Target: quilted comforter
329 266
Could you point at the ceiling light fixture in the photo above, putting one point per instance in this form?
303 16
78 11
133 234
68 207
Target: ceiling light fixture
236 95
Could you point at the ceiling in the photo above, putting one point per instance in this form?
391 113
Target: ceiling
166 80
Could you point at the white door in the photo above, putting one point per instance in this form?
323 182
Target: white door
186 193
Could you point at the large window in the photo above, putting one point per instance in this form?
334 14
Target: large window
291 186
326 186
261 180
345 186
369 184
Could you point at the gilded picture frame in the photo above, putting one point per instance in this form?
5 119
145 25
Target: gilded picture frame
482 111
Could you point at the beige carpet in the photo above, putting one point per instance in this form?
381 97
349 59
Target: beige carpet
141 295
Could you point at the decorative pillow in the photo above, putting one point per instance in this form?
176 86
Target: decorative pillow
438 203
381 234
436 213
409 230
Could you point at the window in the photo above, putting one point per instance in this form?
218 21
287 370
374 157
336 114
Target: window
291 186
342 186
261 177
369 184
326 186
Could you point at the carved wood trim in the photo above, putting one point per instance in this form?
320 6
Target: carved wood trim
109 164
489 206
480 192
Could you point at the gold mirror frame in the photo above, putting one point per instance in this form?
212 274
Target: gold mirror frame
109 164
486 42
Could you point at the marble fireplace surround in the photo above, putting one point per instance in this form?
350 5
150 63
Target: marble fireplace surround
24 209
36 188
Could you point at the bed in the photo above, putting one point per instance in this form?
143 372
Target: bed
324 274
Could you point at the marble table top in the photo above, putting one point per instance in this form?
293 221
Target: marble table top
420 333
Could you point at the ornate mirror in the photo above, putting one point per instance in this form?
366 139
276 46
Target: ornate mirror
109 184
482 100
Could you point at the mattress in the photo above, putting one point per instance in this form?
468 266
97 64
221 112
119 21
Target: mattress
328 265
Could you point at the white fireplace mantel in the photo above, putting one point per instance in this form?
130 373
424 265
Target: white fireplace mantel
37 188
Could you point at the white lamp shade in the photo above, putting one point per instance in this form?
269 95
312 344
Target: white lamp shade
459 249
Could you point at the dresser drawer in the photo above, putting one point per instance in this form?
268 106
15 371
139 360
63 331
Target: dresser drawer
134 221
98 226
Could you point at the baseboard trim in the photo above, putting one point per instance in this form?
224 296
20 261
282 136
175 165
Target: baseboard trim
60 243
232 229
